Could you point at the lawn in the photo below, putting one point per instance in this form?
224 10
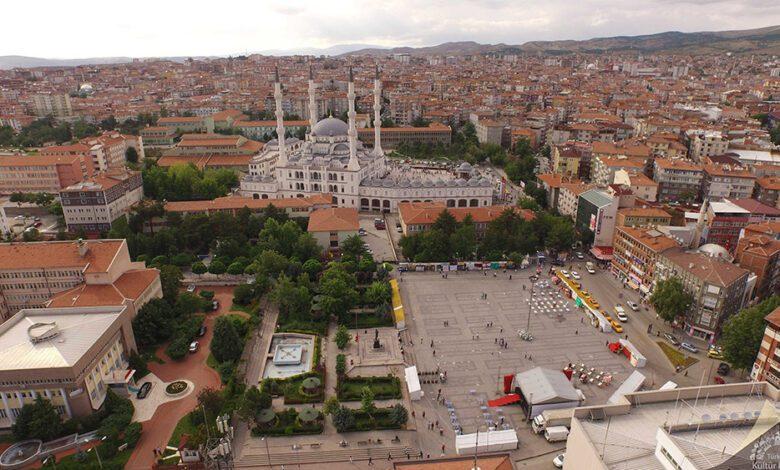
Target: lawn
248 309
384 388
379 419
184 426
365 319
677 358
90 463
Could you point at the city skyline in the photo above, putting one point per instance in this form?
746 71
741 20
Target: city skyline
200 29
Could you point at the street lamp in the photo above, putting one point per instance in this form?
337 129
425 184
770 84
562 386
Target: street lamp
97 453
53 461
267 452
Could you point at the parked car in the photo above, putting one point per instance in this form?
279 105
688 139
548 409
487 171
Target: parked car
144 390
565 273
37 224
621 315
590 268
215 305
689 347
617 327
715 353
194 347
579 255
558 460
191 288
362 232
633 305
671 339
576 275
723 368
202 330
379 224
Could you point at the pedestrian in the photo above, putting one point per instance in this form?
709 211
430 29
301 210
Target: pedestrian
423 413
510 277
442 449
370 462
582 320
501 330
437 422
495 340
421 340
389 456
434 353
485 273
441 431
431 343
154 451
477 335
350 459
421 454
576 332
407 455
413 414
427 456
607 343
530 358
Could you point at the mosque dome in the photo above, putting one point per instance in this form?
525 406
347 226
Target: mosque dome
715 251
330 127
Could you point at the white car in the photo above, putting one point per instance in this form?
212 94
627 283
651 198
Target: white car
558 460
576 275
194 347
191 288
634 306
565 273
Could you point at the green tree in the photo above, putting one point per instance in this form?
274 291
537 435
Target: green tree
342 337
252 402
37 420
331 405
670 299
343 419
199 268
377 293
367 401
293 301
226 345
464 240
170 279
398 414
338 291
353 246
341 365
743 333
217 267
243 294
235 269
131 155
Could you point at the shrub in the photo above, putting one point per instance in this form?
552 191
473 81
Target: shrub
135 361
398 414
199 268
331 405
341 364
226 345
243 294
207 294
342 337
343 419
133 434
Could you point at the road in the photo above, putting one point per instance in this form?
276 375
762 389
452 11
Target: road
609 292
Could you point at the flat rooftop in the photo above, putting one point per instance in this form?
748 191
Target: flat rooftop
631 438
70 332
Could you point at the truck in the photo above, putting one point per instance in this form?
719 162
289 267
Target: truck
556 433
590 268
550 418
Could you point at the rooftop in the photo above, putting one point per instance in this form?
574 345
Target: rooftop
78 329
334 219
60 254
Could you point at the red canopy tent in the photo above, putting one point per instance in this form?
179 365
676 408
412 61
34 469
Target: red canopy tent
505 400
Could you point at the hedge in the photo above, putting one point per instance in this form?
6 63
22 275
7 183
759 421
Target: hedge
384 388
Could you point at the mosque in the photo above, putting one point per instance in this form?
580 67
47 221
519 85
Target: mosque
331 160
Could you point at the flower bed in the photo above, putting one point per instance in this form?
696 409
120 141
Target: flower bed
384 388
291 388
176 388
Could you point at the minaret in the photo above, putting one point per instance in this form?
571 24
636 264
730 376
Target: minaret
353 165
377 114
282 160
312 100
700 224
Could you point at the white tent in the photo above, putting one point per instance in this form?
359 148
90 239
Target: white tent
413 383
630 385
490 441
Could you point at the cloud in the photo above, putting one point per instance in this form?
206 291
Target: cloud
196 27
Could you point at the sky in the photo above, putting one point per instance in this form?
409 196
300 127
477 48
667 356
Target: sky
145 28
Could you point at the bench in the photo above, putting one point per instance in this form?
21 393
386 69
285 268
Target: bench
362 443
316 445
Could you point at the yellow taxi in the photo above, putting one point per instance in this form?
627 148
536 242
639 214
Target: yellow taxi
606 315
616 326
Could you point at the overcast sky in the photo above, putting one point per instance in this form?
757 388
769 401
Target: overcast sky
144 28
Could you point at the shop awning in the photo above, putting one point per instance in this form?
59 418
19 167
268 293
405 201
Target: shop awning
603 253
505 400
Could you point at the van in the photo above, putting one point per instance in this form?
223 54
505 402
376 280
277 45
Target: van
590 268
556 433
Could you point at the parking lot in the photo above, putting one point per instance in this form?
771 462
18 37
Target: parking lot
377 240
469 350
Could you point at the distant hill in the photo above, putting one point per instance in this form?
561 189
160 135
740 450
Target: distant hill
762 40
12 61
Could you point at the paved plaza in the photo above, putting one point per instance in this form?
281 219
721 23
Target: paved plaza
469 350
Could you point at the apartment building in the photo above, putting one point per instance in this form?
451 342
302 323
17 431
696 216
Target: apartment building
565 160
187 123
158 137
569 196
677 179
767 189
725 221
635 254
760 254
416 217
52 104
108 150
729 426
727 182
92 206
265 130
70 356
767 365
597 212
706 144
643 187
73 273
489 131
605 168
214 144
392 137
40 173
642 216
719 288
